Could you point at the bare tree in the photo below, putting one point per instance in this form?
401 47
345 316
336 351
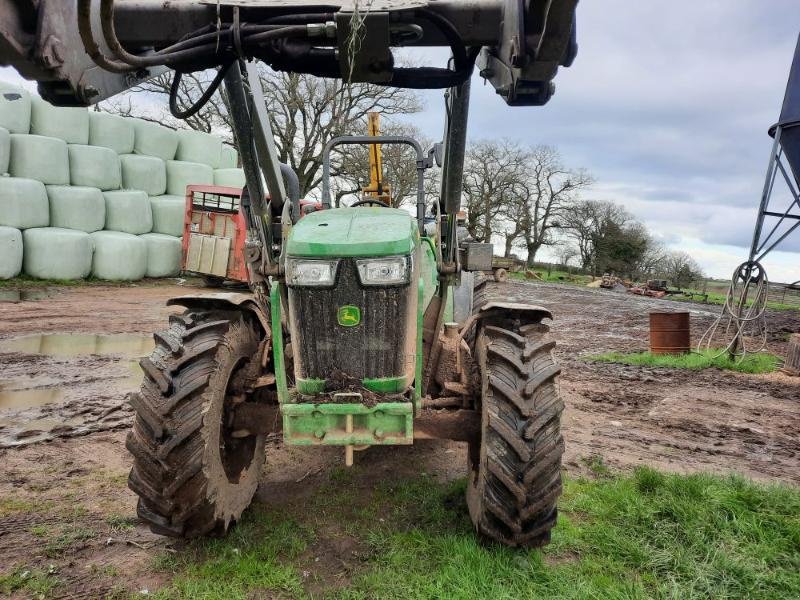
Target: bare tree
305 112
681 269
547 193
492 173
588 222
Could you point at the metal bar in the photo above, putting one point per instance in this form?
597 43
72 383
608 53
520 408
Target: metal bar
788 181
265 142
778 241
765 195
458 425
157 23
455 143
243 132
363 140
783 215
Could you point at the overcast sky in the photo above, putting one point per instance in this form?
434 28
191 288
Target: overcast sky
667 105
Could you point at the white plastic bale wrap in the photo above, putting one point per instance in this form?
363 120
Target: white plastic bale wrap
74 207
128 211
94 166
15 108
23 203
180 174
111 131
229 157
146 173
70 124
55 253
38 157
199 147
5 149
10 252
118 256
168 214
229 178
152 139
163 254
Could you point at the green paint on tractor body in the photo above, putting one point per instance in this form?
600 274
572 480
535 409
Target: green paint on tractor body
313 415
353 232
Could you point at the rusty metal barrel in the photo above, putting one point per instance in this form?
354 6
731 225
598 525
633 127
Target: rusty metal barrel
670 333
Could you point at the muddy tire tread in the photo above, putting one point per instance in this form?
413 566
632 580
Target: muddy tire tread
166 440
514 491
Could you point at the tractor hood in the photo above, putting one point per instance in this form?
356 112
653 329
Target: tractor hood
361 231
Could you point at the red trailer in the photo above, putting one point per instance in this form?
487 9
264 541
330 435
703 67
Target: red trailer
214 233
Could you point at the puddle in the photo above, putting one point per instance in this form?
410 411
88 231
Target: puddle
21 393
27 398
131 345
23 295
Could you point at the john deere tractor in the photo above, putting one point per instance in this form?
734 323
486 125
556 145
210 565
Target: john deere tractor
363 325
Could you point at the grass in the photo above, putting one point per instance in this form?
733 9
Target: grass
644 535
719 299
553 277
68 537
37 583
752 363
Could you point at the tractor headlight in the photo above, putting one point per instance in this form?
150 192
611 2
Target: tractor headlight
311 272
391 270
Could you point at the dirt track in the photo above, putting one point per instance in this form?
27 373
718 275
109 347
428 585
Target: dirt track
678 420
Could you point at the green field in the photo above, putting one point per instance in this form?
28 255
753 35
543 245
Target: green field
643 535
761 362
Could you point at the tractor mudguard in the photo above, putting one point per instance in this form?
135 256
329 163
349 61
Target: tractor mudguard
525 312
221 300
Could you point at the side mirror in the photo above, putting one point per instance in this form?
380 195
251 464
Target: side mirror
436 153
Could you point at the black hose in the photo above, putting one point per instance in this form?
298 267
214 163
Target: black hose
292 188
89 43
201 102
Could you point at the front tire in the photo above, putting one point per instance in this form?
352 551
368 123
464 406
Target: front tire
515 473
191 475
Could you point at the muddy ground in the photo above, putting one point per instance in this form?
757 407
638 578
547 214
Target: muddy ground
64 504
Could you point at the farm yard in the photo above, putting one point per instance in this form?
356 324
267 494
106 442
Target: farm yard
678 482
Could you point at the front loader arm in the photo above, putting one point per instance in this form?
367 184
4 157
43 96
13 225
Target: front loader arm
84 51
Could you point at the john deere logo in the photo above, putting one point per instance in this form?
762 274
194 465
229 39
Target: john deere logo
348 316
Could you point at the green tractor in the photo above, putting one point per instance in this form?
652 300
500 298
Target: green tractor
373 331
363 325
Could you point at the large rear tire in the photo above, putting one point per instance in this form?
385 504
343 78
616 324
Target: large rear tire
515 473
192 476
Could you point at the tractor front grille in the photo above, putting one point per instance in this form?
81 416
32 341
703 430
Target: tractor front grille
374 348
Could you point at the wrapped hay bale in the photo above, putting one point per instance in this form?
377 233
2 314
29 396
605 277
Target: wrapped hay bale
94 166
23 203
163 254
229 158
38 157
10 252
128 211
168 214
111 131
229 177
70 124
118 256
5 150
180 174
15 108
199 147
146 173
73 207
55 253
152 139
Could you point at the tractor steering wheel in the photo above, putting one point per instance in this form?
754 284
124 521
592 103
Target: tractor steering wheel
369 202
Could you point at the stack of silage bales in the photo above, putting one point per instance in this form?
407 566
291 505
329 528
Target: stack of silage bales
87 193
